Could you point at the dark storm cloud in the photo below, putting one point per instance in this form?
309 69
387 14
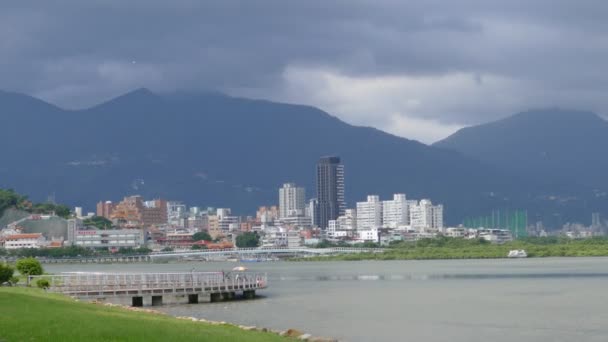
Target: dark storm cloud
78 53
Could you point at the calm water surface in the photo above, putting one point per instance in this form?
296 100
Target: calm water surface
557 299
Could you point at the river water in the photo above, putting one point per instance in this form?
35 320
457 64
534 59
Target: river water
554 299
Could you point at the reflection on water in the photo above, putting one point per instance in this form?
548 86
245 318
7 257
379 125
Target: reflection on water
398 277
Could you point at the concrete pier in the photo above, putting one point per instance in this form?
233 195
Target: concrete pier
153 289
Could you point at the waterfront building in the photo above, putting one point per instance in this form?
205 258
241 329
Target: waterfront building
369 213
296 221
335 232
367 235
247 225
330 191
74 225
214 226
595 220
437 218
456 232
294 239
348 221
229 223
292 200
497 236
17 241
267 214
104 209
108 238
311 210
395 212
199 222
176 211
280 237
133 211
425 215
388 235
222 212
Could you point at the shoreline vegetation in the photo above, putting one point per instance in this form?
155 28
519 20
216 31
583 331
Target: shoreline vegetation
30 314
459 248
424 249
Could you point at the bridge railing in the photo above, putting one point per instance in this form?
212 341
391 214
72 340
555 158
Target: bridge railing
90 283
271 250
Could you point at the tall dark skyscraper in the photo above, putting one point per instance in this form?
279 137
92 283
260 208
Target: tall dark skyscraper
330 191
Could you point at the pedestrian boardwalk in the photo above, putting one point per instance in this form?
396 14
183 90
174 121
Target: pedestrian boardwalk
102 286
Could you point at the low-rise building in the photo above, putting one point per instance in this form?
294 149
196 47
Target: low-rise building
180 240
495 235
109 238
294 239
17 241
296 221
367 235
456 232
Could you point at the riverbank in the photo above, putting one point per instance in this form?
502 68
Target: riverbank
452 248
33 315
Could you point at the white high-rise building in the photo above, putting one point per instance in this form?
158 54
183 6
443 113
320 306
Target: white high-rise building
311 210
175 212
395 213
222 212
292 200
426 215
369 214
437 220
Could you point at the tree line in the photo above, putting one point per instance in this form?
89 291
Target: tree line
11 199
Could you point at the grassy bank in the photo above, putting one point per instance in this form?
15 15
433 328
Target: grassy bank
453 248
28 314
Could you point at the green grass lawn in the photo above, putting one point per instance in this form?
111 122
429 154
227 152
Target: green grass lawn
28 314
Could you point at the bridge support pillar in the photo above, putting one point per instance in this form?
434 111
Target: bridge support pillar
157 300
228 295
192 299
249 294
215 297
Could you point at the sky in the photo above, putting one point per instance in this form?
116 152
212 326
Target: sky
420 69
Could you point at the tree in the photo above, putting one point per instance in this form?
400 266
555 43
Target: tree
248 239
201 236
6 272
10 199
29 266
98 222
198 247
62 211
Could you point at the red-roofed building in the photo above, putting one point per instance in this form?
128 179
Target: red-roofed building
55 244
16 241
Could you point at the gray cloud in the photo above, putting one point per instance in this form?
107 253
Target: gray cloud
447 63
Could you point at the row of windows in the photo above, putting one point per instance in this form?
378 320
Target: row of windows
113 242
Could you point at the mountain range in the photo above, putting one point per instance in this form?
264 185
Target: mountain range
210 149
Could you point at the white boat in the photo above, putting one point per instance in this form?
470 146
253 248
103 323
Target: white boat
240 269
517 253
